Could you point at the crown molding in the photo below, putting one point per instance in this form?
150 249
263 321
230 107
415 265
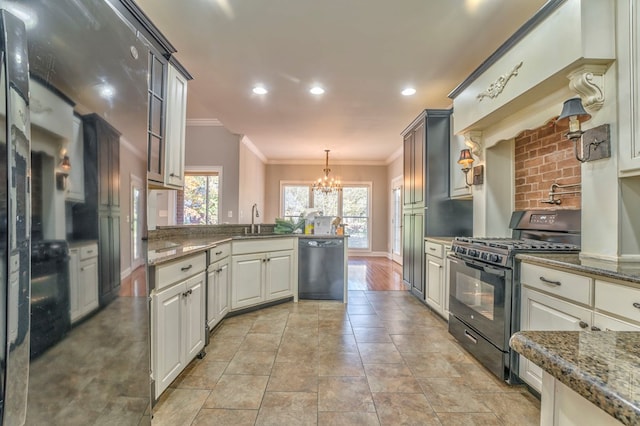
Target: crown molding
204 122
251 147
395 155
332 163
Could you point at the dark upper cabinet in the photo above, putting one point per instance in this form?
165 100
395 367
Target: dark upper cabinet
414 147
99 217
428 210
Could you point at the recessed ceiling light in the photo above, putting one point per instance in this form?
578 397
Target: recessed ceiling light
408 91
260 90
316 90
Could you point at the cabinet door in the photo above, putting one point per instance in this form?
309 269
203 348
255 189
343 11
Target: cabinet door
156 129
607 323
247 275
545 313
76 158
217 292
194 316
418 255
407 248
74 284
89 284
279 274
175 128
434 284
168 325
222 290
407 188
418 164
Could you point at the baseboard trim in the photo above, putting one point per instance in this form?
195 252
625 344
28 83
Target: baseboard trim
124 274
370 254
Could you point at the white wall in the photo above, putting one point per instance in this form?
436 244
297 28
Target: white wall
251 182
212 145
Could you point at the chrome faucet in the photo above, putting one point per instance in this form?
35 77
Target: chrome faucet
254 213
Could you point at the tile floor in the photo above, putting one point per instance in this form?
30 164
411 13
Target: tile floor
382 359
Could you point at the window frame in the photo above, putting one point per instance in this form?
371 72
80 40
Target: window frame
206 170
349 184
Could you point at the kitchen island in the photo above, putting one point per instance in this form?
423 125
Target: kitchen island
600 367
200 275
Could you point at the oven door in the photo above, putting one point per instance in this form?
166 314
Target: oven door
477 297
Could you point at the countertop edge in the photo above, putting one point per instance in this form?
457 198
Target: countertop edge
586 385
199 245
555 260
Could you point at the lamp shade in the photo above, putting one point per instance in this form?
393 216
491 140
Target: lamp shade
573 108
465 158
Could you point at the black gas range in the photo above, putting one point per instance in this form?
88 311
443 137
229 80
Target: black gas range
501 251
484 295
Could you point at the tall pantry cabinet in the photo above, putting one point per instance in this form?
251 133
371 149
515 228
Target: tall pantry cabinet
428 209
99 217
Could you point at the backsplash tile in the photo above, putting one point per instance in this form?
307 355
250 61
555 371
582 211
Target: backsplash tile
543 156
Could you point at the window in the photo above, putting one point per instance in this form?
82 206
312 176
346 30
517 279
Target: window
352 204
199 201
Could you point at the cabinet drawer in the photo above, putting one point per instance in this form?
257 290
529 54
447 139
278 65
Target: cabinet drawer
87 252
618 299
262 245
569 286
171 272
433 249
219 252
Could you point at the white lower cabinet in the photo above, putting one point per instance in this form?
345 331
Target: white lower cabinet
217 292
178 334
261 277
562 406
262 270
437 285
83 281
544 313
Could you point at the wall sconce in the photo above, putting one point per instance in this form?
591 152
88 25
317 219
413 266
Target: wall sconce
65 164
466 160
594 142
62 176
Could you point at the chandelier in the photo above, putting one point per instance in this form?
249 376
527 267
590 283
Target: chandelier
326 184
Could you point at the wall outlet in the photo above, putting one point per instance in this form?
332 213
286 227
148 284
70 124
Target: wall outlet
230 213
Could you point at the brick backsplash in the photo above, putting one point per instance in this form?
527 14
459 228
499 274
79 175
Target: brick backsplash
544 156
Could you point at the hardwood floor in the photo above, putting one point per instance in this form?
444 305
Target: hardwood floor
135 285
374 274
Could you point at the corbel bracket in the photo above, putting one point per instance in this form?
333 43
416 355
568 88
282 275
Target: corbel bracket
588 82
473 140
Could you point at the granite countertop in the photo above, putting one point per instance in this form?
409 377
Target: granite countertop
440 240
602 366
166 250
626 271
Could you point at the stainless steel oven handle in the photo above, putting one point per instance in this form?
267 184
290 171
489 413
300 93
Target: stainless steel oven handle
545 280
470 337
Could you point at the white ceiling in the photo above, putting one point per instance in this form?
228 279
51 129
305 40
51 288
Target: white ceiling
363 52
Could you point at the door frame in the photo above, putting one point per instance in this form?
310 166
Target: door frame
136 182
396 184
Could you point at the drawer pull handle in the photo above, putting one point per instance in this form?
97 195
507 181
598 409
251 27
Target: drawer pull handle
432 249
594 328
583 324
544 280
186 293
186 268
470 337
89 251
218 253
636 305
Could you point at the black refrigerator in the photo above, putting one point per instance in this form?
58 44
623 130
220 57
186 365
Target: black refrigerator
15 220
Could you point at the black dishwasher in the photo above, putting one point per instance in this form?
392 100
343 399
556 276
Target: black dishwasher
321 268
